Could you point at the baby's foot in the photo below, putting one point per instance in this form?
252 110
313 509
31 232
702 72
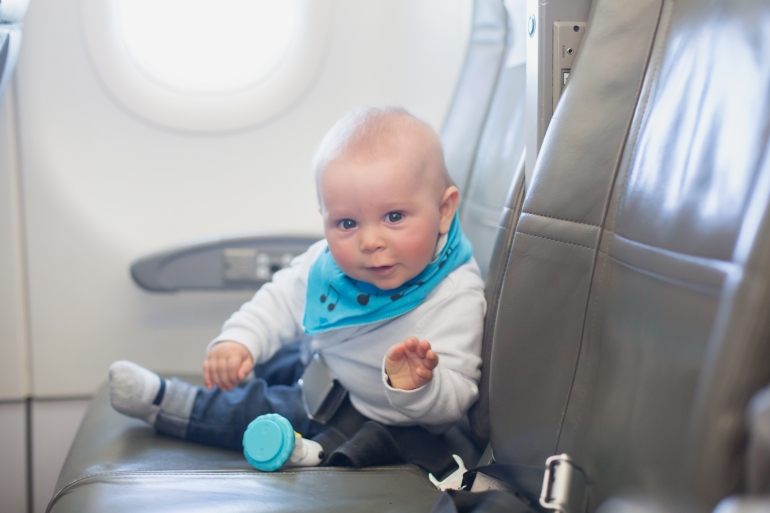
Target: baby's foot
136 391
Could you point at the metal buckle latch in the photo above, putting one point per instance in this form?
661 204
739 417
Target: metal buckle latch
322 394
564 485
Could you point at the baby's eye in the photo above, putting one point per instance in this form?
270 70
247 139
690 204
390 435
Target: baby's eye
347 224
394 217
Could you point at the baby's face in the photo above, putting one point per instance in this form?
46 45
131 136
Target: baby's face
383 216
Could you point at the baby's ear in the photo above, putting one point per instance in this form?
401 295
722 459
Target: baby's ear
447 208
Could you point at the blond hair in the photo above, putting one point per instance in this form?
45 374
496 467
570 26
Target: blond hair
372 127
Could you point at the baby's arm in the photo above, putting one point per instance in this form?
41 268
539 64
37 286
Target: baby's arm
410 364
454 326
226 365
261 326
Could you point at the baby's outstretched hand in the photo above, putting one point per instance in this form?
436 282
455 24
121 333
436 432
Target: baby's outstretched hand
226 365
410 364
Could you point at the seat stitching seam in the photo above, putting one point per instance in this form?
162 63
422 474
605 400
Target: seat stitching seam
561 219
665 277
672 253
555 240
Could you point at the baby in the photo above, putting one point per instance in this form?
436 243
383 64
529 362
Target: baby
392 300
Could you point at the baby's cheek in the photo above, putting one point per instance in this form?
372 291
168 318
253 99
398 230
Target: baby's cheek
419 249
343 256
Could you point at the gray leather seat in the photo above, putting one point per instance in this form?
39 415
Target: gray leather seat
632 326
120 464
628 320
468 112
497 169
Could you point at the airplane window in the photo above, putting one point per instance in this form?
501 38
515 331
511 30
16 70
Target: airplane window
202 66
179 44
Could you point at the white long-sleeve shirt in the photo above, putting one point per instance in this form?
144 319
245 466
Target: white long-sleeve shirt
451 318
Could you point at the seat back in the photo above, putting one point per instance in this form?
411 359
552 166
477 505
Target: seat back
465 119
494 191
499 160
633 311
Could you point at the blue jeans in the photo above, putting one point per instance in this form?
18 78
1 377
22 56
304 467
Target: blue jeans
220 418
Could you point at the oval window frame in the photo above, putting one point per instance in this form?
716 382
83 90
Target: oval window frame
157 104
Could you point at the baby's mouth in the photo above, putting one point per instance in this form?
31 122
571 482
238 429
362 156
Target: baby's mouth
383 270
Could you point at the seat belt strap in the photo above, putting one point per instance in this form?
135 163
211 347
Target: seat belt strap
524 481
353 440
563 487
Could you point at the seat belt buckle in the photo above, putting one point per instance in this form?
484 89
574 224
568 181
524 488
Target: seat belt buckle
564 485
322 393
454 480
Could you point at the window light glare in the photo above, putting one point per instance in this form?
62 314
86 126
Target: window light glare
205 47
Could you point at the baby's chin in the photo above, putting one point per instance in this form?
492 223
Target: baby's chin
387 285
383 283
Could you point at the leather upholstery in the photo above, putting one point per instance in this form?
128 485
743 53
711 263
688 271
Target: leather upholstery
108 441
688 191
636 293
337 490
491 204
498 160
120 464
548 280
465 119
731 157
479 415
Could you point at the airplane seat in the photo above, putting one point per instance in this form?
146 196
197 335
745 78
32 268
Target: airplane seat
632 327
628 325
492 197
498 164
489 40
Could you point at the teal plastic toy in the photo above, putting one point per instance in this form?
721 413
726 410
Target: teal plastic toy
268 442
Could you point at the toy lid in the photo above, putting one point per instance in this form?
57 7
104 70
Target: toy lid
268 442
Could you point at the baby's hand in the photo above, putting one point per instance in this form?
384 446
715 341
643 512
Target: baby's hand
410 364
226 365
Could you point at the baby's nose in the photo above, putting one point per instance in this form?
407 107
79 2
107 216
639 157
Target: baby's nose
371 240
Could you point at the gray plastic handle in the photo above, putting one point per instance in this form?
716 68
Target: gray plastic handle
221 263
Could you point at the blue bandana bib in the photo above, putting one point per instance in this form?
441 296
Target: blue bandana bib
334 300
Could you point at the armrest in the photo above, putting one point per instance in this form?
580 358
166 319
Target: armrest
219 263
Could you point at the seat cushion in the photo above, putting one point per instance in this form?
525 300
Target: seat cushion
120 464
317 489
